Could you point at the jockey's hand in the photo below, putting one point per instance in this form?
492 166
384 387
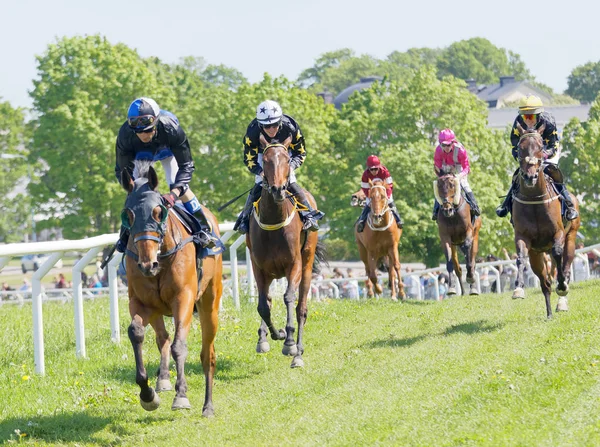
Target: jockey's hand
546 154
169 199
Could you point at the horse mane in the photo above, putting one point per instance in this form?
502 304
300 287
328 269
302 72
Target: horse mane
142 167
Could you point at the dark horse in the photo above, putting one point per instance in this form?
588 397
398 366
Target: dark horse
456 228
278 247
538 223
378 243
162 281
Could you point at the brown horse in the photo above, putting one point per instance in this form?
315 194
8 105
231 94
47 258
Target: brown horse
378 243
162 281
457 229
279 247
538 223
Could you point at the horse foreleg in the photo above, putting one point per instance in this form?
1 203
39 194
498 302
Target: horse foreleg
467 249
558 254
301 308
289 298
182 315
372 274
539 267
457 269
448 250
163 342
263 282
148 397
208 309
394 274
521 247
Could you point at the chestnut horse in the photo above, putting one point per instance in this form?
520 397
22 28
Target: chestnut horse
279 247
457 229
538 224
162 281
378 243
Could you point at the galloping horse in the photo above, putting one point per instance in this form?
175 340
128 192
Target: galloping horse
162 281
279 247
538 223
378 242
456 228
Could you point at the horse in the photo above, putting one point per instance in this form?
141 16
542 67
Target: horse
162 280
280 248
378 243
538 224
457 229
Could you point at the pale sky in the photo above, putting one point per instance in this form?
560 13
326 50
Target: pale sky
285 37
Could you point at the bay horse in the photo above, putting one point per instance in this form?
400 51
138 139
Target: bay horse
378 243
280 248
162 280
538 224
457 229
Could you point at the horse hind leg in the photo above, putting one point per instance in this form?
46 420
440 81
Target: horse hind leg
149 399
538 266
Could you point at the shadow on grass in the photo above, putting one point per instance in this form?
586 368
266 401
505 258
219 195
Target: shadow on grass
473 327
393 342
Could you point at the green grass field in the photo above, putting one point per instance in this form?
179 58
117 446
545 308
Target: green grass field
484 370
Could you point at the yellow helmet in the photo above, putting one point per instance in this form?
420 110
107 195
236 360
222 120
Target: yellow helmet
531 105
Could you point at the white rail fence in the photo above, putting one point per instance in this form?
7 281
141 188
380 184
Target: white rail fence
92 246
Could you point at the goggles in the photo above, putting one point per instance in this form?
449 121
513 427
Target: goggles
137 122
530 116
270 126
444 145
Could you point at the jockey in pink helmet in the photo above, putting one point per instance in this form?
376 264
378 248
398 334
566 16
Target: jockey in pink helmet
451 157
376 171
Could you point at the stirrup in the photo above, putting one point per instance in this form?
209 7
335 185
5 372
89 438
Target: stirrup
310 225
360 226
501 211
571 214
207 240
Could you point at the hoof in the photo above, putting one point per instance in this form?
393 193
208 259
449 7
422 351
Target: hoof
560 291
153 404
290 350
451 291
163 385
473 290
563 304
394 298
518 293
263 347
208 411
297 362
181 403
279 336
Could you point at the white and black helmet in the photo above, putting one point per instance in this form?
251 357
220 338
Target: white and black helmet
268 112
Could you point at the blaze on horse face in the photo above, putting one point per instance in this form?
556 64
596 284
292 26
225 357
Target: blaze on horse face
276 168
531 155
448 193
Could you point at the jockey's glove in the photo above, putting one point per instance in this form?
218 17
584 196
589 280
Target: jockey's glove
169 199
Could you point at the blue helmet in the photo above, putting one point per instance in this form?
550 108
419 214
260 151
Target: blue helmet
142 115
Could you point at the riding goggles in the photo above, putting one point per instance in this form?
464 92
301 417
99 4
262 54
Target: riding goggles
530 116
270 126
139 122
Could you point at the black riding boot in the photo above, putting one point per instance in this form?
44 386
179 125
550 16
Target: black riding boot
121 245
242 225
310 216
206 239
506 206
360 225
474 207
571 213
436 208
396 214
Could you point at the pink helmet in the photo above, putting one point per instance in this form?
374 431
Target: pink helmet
373 161
446 136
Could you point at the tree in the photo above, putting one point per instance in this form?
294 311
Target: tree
313 76
584 82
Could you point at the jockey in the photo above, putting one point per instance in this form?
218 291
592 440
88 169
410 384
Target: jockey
532 116
154 134
376 171
451 156
271 125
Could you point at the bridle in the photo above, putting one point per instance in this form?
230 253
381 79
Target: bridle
530 160
379 217
265 182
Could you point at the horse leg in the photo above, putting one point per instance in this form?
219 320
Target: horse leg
301 307
163 382
473 254
558 254
539 267
467 249
395 267
448 249
149 399
289 298
263 282
182 313
372 274
457 269
364 257
521 246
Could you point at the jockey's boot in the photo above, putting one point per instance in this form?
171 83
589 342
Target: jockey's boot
571 213
121 244
205 237
362 220
396 214
310 216
242 224
506 206
474 206
436 208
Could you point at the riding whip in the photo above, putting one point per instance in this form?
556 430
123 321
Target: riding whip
222 207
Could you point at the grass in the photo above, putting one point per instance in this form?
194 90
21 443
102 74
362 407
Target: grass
484 370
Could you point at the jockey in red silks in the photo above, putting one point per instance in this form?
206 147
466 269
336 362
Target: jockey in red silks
451 156
376 171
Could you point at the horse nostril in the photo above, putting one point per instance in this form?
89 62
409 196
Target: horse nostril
155 265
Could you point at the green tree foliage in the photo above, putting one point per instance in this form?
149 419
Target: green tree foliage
14 140
584 82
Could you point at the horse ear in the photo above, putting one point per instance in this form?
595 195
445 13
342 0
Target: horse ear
370 182
541 129
126 181
520 129
152 178
287 142
262 140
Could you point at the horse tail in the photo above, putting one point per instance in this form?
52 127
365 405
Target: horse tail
320 257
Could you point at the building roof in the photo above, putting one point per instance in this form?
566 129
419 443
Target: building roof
364 83
500 118
507 90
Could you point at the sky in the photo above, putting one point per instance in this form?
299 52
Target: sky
285 37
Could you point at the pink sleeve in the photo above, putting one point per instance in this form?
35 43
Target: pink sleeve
463 158
437 158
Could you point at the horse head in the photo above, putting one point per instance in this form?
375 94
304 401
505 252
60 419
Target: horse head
447 192
358 199
276 167
531 155
144 215
379 201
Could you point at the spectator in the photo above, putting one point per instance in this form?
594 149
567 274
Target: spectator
6 287
411 284
25 287
580 269
484 278
61 282
350 288
443 286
